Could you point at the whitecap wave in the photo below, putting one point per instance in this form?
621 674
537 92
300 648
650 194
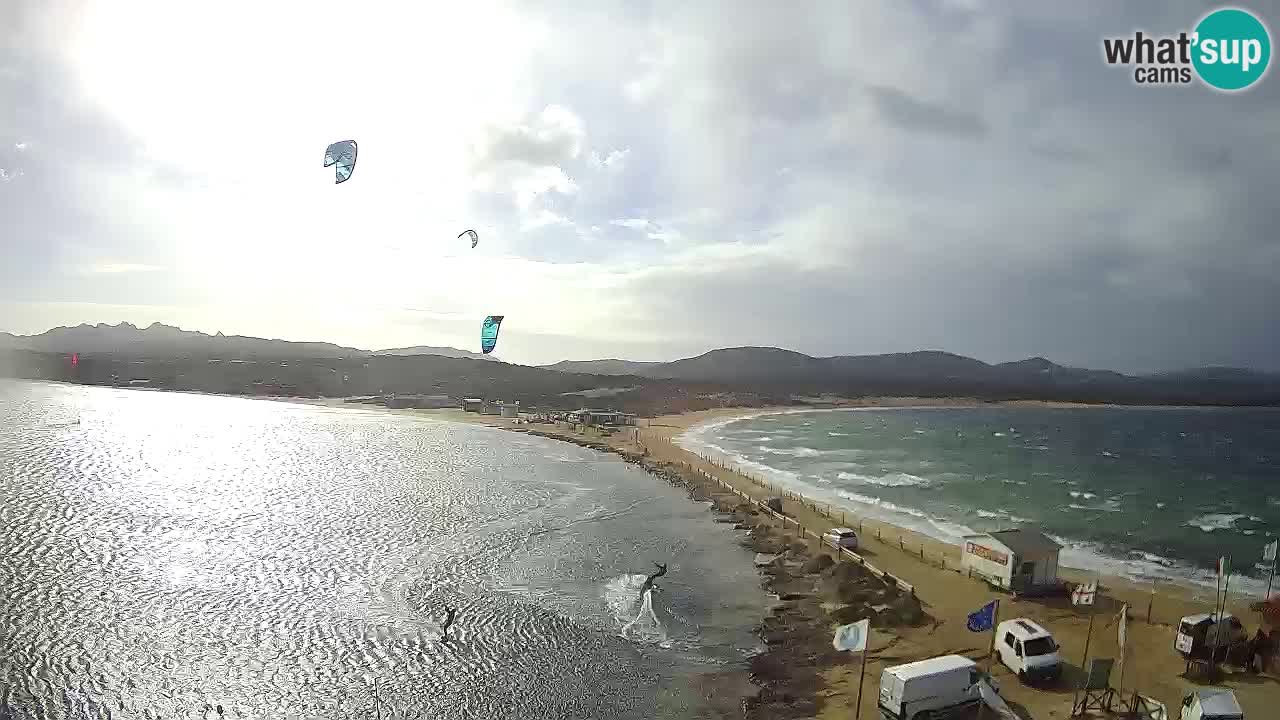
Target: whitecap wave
1002 514
1211 522
1094 508
792 452
891 480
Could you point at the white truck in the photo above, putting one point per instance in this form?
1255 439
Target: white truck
931 689
1211 704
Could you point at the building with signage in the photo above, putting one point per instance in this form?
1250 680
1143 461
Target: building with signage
602 417
1018 560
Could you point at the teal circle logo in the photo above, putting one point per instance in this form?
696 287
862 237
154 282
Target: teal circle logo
1232 49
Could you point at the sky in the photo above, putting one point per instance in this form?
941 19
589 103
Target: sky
649 180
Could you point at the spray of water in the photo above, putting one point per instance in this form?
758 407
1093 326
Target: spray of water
637 623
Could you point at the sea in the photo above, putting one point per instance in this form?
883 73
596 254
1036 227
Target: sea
169 555
1144 493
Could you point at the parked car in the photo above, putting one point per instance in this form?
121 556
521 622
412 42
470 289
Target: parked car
841 537
1197 635
1211 704
931 688
1029 650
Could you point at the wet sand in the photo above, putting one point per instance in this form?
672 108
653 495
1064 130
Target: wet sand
801 676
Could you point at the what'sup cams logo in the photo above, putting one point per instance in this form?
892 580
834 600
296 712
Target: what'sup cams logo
1229 49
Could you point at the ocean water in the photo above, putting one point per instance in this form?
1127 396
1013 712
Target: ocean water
162 554
1139 492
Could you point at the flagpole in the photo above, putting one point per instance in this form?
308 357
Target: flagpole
1272 577
1124 620
1084 659
857 712
995 620
1217 585
1217 626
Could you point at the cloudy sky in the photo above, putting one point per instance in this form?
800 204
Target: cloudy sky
649 180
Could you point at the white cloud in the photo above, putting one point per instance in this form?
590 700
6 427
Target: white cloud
113 268
542 218
632 223
529 185
615 160
553 137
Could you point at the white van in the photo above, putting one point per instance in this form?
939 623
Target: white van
1211 704
931 688
1028 650
842 538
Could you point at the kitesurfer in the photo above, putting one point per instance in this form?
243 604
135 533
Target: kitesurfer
648 582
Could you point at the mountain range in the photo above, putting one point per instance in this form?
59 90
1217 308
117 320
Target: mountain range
758 372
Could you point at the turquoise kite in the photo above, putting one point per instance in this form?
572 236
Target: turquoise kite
342 155
489 333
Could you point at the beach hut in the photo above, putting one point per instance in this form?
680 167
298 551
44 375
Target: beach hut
511 410
1021 560
472 404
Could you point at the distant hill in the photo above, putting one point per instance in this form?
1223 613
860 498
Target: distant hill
169 357
603 367
933 373
769 363
1219 374
161 339
442 352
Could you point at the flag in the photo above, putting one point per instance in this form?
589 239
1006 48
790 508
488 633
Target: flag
852 637
1222 567
1269 552
1084 594
983 619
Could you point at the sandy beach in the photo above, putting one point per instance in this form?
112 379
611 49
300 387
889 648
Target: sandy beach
946 595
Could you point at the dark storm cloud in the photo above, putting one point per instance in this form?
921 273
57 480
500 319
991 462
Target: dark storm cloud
900 109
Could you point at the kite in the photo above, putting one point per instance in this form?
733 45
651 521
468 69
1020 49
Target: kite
342 155
489 333
475 239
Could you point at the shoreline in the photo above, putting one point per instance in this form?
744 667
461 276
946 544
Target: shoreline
825 684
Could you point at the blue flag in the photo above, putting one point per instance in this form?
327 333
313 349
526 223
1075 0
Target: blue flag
984 619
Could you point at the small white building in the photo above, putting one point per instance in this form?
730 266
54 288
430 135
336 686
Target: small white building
472 404
511 410
1017 560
